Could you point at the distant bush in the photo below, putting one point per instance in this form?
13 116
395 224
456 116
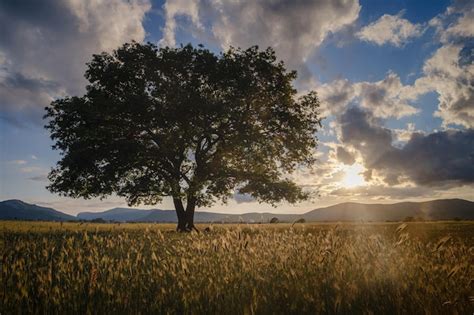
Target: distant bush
274 220
98 220
413 219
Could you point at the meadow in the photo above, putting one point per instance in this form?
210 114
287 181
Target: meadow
357 268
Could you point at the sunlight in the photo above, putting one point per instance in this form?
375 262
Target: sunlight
352 176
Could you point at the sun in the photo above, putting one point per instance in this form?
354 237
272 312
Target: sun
352 176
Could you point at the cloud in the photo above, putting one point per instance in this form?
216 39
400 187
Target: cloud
390 29
335 96
39 178
436 159
20 92
463 26
450 73
385 98
174 9
345 156
18 162
404 135
360 130
45 44
31 169
455 22
450 70
293 28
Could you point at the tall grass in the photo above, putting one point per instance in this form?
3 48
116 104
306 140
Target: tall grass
236 270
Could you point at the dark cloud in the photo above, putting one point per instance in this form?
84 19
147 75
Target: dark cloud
446 156
361 130
45 44
20 92
440 158
39 178
344 156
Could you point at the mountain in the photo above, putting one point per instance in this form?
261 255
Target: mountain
157 215
19 210
443 209
116 214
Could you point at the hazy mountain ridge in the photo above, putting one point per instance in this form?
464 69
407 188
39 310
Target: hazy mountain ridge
19 210
116 214
442 209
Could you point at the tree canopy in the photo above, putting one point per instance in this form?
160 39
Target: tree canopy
185 123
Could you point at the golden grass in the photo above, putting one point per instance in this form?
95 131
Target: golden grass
237 269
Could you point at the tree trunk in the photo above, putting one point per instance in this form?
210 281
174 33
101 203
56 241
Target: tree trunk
178 205
190 206
185 216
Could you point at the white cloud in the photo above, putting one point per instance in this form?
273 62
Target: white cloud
444 74
455 23
385 98
464 26
173 9
335 96
450 70
404 135
390 29
293 28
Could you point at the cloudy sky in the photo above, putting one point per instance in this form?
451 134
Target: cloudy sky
396 81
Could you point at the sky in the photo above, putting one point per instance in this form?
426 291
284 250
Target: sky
395 80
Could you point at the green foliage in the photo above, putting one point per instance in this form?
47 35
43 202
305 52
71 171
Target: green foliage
413 268
186 123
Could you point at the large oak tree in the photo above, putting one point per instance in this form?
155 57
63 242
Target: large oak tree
184 123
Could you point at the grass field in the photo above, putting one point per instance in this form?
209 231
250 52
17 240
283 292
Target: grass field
344 268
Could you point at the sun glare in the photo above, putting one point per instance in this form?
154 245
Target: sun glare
352 176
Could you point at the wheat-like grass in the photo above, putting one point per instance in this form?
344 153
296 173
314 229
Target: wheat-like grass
254 269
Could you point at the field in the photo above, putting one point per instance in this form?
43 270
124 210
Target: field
372 268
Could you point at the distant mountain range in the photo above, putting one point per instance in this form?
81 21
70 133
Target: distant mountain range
19 210
443 209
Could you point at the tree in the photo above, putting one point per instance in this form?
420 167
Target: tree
184 123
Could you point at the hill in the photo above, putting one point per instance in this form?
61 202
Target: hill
116 214
443 209
19 210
